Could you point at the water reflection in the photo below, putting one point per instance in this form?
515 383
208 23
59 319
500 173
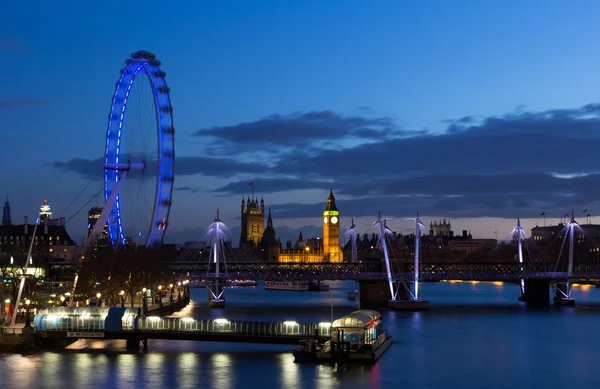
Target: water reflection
488 340
289 371
188 365
221 371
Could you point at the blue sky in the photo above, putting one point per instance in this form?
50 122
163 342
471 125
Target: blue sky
469 110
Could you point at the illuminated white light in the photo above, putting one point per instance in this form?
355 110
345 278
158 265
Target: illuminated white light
153 318
189 319
221 321
325 324
289 323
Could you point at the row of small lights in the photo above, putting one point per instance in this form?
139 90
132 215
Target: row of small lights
184 282
222 321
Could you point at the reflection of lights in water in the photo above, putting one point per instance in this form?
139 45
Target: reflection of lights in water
188 364
498 283
474 282
83 362
126 364
155 360
289 371
22 369
221 371
155 369
416 320
455 281
583 287
325 377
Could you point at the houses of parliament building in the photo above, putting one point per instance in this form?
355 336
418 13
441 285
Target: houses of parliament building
264 243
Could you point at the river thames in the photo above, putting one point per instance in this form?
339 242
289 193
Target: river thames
475 335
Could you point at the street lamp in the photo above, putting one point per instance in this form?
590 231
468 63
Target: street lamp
62 301
27 321
98 295
122 293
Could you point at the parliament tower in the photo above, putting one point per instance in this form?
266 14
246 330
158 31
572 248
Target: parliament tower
253 222
331 231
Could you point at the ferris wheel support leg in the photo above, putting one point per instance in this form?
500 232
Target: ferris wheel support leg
101 222
98 227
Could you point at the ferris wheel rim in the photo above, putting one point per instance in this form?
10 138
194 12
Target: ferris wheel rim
141 63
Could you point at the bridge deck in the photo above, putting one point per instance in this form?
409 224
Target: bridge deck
480 271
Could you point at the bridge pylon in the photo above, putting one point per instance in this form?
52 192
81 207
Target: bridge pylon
562 295
404 298
218 232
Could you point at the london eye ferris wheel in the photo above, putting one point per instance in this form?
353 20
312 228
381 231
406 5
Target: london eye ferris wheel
139 155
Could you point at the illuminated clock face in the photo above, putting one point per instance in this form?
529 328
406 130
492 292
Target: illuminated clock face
334 220
325 220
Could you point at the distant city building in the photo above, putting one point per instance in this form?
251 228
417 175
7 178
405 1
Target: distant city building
315 249
548 233
52 241
253 222
45 213
440 229
269 246
470 246
6 220
331 231
93 216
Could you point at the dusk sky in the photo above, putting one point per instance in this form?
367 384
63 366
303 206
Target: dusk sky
475 111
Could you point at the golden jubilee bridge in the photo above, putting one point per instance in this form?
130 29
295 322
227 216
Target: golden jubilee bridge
569 258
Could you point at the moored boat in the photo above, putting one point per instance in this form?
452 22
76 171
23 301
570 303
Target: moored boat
295 286
241 283
357 337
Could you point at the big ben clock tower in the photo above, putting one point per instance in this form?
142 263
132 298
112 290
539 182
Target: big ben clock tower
331 231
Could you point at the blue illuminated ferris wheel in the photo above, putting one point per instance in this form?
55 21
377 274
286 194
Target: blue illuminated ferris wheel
139 157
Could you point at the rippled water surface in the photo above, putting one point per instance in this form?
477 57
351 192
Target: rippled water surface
474 336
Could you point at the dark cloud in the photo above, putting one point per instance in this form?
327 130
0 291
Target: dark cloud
300 130
270 185
518 164
186 189
21 102
87 168
184 166
514 165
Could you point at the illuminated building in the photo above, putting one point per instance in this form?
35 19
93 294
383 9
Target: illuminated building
45 213
331 231
314 251
253 222
93 216
51 243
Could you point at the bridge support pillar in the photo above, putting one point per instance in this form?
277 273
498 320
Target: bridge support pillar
132 343
405 301
537 292
374 294
562 295
216 293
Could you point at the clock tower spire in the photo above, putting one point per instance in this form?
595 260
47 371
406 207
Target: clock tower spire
331 230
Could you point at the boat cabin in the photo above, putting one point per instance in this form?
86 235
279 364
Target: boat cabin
357 328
